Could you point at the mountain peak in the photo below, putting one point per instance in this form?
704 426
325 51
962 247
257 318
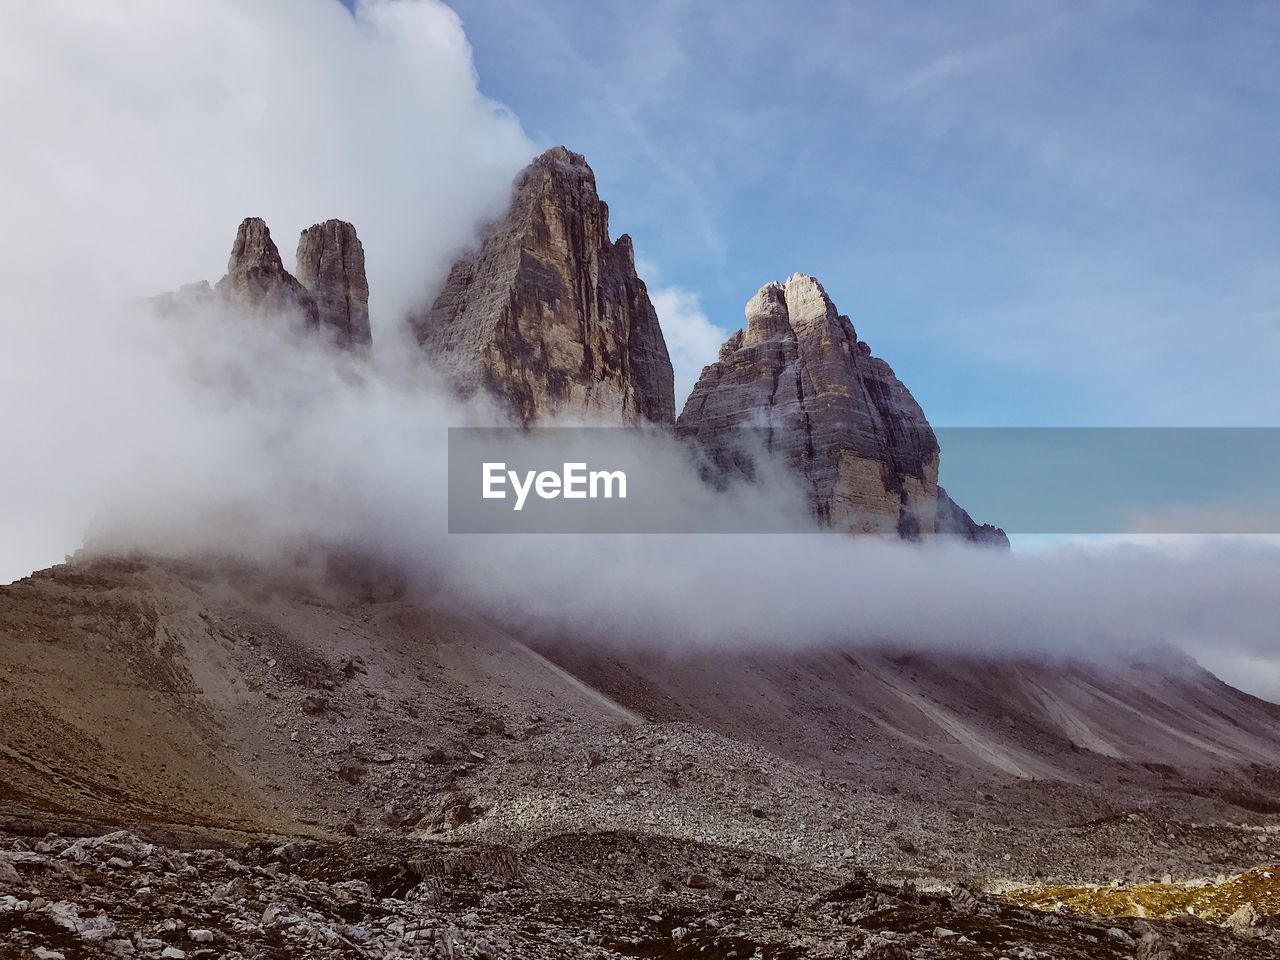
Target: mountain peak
561 156
254 250
256 278
331 267
548 313
767 317
330 292
837 415
807 301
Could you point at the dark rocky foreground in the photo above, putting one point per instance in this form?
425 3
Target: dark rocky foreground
597 895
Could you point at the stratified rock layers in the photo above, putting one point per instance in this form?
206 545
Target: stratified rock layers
802 381
548 314
331 267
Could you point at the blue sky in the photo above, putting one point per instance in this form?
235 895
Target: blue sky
1039 213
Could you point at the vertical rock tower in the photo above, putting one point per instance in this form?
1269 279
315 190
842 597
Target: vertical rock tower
800 378
257 280
549 314
331 267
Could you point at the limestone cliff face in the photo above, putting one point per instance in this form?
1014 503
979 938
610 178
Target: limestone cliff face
800 377
331 267
549 314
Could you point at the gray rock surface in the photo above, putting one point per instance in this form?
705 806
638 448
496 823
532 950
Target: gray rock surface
799 379
549 314
331 267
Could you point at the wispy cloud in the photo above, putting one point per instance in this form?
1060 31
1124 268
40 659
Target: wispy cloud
692 340
956 64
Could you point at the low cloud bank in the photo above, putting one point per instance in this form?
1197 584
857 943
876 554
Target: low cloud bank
265 438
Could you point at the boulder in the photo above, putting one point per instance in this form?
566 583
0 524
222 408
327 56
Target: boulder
1157 946
1244 916
446 810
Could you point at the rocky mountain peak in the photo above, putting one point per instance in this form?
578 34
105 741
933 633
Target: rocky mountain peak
331 267
778 309
254 250
547 313
257 280
558 158
330 292
834 412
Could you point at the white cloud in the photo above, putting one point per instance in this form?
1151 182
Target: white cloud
692 340
136 136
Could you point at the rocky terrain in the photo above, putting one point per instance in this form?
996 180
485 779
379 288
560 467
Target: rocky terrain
548 313
290 738
799 378
612 895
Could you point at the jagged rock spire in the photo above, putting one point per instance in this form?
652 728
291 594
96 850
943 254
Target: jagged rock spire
330 294
256 277
331 267
548 313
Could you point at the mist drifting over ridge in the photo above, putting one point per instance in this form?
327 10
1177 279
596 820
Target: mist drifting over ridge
222 434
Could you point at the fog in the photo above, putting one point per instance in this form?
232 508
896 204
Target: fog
136 137
137 142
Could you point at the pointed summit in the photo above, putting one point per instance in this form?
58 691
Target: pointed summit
256 277
548 313
835 413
